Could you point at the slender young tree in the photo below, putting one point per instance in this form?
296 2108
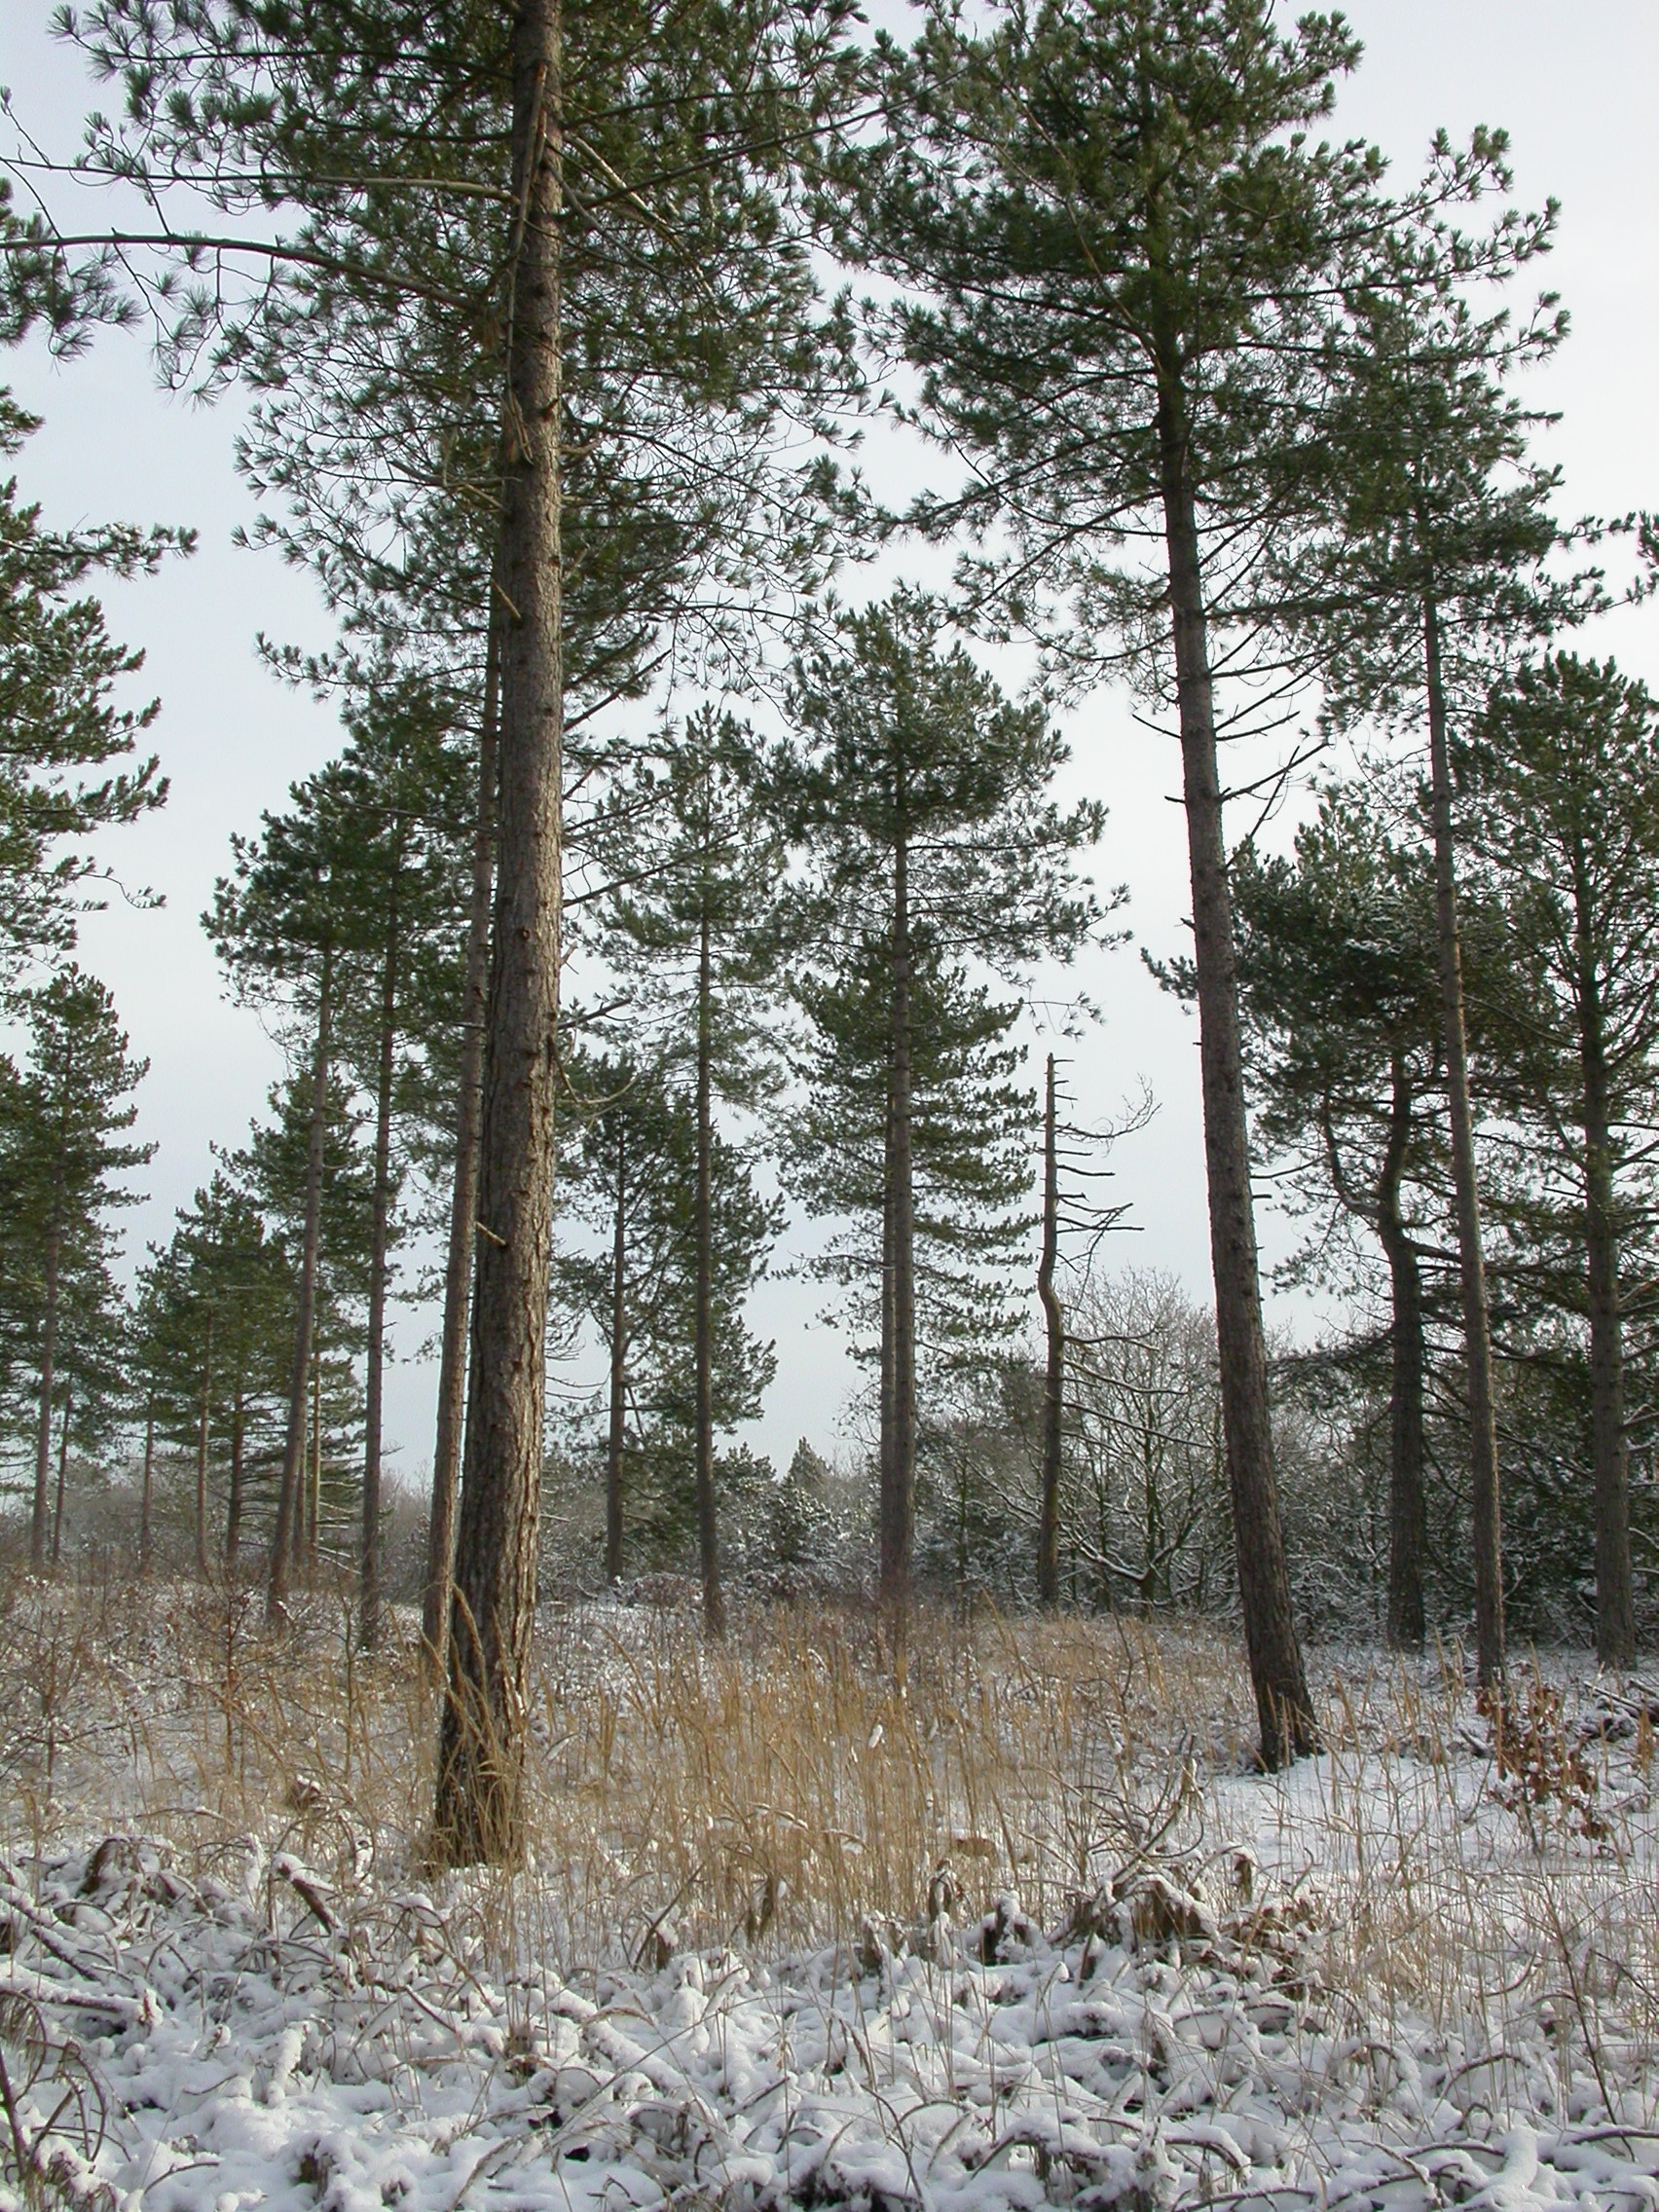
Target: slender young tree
1119 248
921 799
1563 777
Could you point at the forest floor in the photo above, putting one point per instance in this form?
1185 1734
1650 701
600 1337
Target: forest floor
1012 1923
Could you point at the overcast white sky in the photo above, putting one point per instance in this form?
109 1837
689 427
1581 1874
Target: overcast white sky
1575 87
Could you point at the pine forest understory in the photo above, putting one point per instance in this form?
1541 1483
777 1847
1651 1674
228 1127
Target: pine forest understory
1141 1753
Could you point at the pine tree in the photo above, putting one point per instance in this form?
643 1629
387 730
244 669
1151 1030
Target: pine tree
1119 253
1337 957
1430 574
289 930
920 799
1562 779
400 888
631 1168
699 867
60 778
65 1158
598 185
213 1327
274 1171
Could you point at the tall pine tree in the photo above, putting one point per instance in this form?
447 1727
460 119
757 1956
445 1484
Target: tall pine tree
922 802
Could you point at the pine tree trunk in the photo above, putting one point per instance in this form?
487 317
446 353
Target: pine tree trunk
374 1388
1477 1327
289 1503
233 1509
884 1377
201 1452
1283 1708
478 1814
1053 1380
1615 1611
63 1479
899 1489
146 1494
1408 1512
616 1437
314 1508
703 1348
463 1191
48 1381
302 1552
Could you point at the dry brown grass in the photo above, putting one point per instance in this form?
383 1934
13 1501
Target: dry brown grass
803 1781
804 1773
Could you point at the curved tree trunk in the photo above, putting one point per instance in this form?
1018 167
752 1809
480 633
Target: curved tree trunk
1054 1379
1284 1711
478 1812
1477 1325
1408 1512
289 1504
703 1349
463 1191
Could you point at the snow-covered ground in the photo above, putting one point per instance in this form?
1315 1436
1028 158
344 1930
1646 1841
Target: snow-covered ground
1396 1976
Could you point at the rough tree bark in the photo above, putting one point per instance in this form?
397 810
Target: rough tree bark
1054 1379
374 1390
1284 1711
617 1433
1408 1512
884 1375
463 1191
1477 1327
478 1812
1615 1609
703 1348
289 1503
899 1470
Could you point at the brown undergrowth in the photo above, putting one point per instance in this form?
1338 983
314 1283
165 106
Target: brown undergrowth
804 1784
